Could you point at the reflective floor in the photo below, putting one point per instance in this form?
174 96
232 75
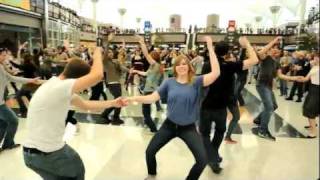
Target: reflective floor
117 152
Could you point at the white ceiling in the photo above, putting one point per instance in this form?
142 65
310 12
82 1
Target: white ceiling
192 11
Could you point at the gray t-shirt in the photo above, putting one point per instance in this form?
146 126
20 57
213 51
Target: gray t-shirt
268 71
183 100
153 77
5 78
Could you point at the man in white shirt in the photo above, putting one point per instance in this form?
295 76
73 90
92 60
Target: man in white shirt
45 152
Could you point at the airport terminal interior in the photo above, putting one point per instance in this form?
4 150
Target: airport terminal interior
159 90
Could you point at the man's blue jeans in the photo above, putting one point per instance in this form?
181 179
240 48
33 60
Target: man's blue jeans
63 164
269 105
8 126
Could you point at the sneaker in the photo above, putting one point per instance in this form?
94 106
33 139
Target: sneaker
77 128
298 100
220 159
289 98
215 168
266 135
230 141
10 147
311 137
308 127
151 177
117 122
257 121
106 119
23 115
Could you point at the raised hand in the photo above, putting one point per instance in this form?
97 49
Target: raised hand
208 39
110 37
244 41
24 45
140 39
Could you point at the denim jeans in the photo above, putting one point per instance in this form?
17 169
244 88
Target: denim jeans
189 135
283 87
146 111
234 109
8 126
269 105
115 90
219 116
59 165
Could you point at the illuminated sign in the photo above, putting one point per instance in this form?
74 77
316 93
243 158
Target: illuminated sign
23 4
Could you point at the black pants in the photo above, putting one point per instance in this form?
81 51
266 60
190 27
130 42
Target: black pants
242 82
115 90
97 91
299 86
234 109
208 116
189 135
14 86
146 111
23 92
70 117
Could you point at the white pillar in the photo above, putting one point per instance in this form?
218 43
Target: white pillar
302 12
122 12
94 15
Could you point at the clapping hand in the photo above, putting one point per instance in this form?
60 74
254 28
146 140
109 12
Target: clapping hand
131 100
120 102
299 79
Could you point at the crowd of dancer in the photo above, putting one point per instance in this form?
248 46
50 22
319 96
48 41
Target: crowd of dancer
197 86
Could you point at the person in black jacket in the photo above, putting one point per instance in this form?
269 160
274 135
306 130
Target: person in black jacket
29 70
214 106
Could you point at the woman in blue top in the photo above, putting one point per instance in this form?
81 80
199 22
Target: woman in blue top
183 94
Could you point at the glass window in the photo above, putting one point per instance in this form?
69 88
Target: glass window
50 34
55 35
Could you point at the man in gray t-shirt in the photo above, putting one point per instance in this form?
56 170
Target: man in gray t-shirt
8 119
269 69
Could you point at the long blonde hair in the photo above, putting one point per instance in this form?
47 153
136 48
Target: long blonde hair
191 72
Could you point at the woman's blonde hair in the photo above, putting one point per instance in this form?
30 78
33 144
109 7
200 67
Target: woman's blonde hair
122 56
191 71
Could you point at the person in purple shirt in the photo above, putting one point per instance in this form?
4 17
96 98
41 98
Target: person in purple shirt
183 93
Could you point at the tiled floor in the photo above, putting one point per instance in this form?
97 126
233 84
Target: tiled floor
117 152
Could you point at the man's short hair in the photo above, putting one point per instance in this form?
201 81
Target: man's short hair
76 68
2 49
221 48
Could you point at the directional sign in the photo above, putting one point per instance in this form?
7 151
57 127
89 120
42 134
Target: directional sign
147 24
